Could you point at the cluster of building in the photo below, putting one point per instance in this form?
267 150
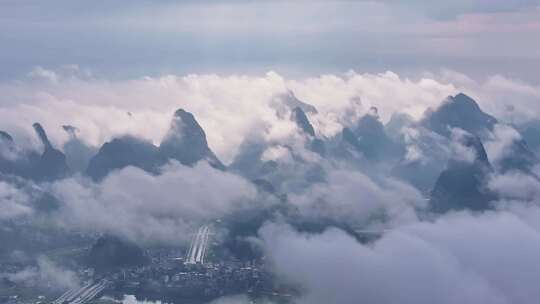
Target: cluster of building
182 280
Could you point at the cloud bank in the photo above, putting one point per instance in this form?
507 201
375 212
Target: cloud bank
456 259
231 108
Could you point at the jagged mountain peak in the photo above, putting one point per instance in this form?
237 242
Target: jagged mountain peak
70 130
291 101
373 111
42 135
184 127
459 111
121 152
186 141
183 114
465 100
52 163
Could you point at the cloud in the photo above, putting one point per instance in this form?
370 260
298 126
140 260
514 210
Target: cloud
14 202
151 209
41 73
456 259
501 142
352 198
228 107
516 186
234 107
45 274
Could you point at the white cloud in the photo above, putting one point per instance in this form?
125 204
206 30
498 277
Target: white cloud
500 143
231 108
13 202
352 198
151 209
45 274
456 259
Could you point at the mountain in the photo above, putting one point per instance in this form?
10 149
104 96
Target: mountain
370 138
531 134
45 166
186 142
314 144
122 152
462 184
52 163
302 121
292 171
462 112
291 101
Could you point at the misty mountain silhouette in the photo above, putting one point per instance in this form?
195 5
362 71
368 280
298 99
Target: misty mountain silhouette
462 185
49 165
120 153
462 112
185 142
369 138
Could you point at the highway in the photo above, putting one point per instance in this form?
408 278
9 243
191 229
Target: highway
199 245
83 294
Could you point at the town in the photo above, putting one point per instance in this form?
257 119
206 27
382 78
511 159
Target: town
172 275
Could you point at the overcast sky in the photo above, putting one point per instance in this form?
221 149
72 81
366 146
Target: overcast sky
123 39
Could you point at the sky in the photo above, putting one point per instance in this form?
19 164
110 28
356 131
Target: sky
126 39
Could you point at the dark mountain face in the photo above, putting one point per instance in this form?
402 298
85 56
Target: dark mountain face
109 253
302 121
314 144
462 184
122 152
186 142
52 163
462 112
531 134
